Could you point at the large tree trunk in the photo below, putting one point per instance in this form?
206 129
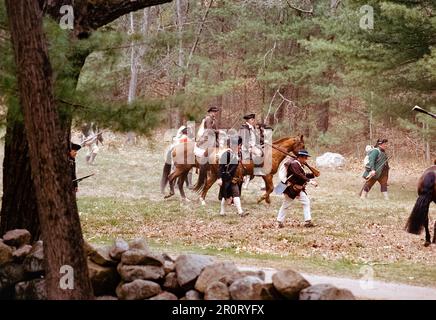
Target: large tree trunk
58 214
19 208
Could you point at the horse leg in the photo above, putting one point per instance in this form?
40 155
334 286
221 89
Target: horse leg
269 187
172 180
427 233
210 181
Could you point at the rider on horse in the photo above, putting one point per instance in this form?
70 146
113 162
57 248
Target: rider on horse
207 133
251 147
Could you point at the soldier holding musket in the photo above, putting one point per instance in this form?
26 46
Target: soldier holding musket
293 176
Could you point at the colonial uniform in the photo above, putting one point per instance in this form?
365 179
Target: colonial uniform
378 162
91 139
251 149
293 174
72 165
230 171
208 131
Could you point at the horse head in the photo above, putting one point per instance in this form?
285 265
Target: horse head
291 144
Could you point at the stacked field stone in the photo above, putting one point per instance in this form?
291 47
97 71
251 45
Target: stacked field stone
131 271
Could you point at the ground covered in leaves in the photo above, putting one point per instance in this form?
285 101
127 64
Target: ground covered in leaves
123 199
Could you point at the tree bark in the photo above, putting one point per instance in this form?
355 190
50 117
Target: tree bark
18 212
89 15
58 214
19 209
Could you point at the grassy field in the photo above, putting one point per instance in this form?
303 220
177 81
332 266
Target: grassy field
123 200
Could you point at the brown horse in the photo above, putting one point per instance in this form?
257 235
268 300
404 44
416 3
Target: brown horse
273 158
183 158
426 194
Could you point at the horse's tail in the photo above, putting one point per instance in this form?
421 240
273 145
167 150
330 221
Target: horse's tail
419 214
202 178
164 180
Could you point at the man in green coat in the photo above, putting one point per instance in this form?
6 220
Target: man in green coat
377 169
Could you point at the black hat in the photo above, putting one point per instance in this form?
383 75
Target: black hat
249 116
381 141
75 146
213 109
303 153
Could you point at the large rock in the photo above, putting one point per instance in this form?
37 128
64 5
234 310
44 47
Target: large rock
192 295
269 292
141 257
139 243
137 290
17 237
169 266
133 272
10 274
289 283
21 252
34 261
228 279
118 248
330 160
31 290
171 284
165 295
5 253
104 280
101 256
189 267
216 291
247 288
214 272
325 292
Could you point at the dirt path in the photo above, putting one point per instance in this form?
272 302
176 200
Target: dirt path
362 289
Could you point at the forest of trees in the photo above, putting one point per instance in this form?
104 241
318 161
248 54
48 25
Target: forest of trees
294 63
322 68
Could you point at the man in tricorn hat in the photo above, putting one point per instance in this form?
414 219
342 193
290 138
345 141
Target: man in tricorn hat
230 176
293 175
377 169
251 149
72 163
208 132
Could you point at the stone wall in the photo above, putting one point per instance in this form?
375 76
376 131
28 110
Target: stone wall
131 271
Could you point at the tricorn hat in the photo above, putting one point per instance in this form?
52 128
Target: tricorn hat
249 116
213 109
75 146
381 141
303 153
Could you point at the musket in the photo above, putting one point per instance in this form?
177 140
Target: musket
315 171
419 109
82 178
382 166
91 138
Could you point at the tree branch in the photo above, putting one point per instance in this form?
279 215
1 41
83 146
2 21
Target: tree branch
198 34
93 14
299 9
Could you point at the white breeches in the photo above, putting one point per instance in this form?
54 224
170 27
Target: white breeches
92 148
305 201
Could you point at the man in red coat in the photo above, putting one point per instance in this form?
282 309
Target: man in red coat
293 175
